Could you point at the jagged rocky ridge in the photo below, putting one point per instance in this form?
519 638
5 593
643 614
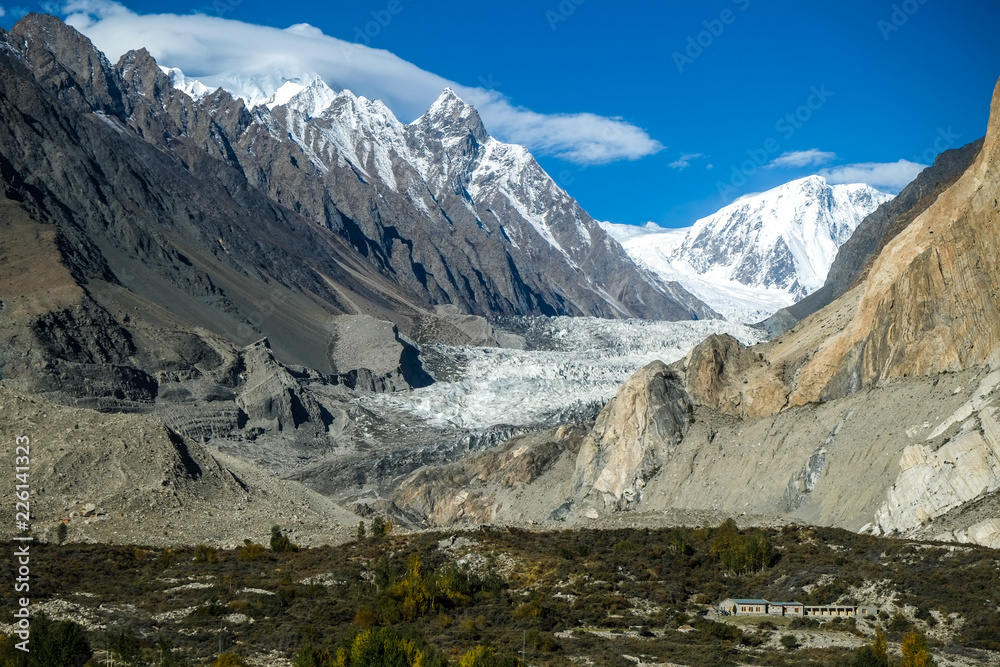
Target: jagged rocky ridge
878 412
438 206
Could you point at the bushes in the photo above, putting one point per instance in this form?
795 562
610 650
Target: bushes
280 543
229 660
251 551
206 554
483 656
381 527
409 582
52 644
310 657
126 646
718 630
742 554
916 653
875 655
379 647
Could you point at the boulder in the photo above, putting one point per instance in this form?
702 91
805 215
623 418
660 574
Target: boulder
634 433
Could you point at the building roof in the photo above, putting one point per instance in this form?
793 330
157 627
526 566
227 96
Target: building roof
749 601
786 604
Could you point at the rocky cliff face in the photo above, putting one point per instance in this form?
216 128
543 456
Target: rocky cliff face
878 412
875 231
635 432
928 303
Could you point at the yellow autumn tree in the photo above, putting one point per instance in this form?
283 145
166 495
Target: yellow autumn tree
916 653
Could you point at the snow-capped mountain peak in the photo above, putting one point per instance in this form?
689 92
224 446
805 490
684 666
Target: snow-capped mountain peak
193 87
445 169
452 117
311 98
763 251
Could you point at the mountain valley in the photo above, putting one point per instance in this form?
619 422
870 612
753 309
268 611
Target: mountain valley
456 406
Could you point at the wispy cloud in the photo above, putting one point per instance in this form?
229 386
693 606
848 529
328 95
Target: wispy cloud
884 175
12 12
797 159
207 46
684 161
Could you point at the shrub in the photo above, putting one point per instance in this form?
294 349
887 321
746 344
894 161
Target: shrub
229 660
483 656
365 617
126 645
789 642
916 653
380 647
250 551
280 543
311 657
53 643
205 554
899 623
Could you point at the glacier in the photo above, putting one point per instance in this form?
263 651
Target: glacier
569 368
762 252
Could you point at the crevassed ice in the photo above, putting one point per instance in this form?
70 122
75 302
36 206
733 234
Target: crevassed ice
585 363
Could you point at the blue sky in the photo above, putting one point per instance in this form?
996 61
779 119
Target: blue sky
642 111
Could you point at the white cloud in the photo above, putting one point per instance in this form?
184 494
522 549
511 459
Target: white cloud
793 159
885 175
684 161
206 46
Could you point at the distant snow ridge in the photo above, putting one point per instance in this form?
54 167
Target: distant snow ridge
762 252
577 365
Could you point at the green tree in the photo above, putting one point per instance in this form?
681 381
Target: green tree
166 656
126 646
52 644
379 648
381 527
311 657
61 532
678 541
361 530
